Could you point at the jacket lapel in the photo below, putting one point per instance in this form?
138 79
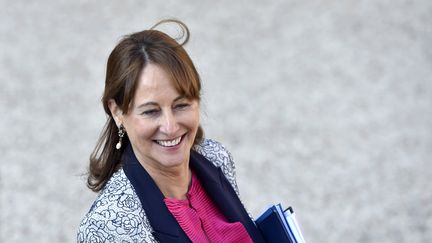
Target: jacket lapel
165 227
222 193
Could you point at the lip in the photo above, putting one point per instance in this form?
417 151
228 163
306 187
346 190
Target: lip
173 147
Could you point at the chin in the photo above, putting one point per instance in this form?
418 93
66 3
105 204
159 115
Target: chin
171 161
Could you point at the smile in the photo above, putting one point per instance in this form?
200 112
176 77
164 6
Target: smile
169 143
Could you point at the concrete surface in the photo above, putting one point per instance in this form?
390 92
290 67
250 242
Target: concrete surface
326 106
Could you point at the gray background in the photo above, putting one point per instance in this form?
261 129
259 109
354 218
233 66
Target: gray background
325 105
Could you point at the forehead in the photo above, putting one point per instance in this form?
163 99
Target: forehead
154 84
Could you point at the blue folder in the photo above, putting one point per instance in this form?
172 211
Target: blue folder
277 226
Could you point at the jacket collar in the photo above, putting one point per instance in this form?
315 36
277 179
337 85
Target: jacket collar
222 193
163 223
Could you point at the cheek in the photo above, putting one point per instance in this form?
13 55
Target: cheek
140 129
190 121
194 120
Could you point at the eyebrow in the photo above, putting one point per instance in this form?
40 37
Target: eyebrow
152 103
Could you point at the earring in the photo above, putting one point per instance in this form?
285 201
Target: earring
121 133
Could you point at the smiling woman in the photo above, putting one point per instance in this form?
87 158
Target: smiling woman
125 67
161 125
159 179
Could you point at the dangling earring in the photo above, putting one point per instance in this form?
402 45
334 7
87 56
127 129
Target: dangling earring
121 133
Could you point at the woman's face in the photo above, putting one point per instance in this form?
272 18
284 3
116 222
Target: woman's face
161 124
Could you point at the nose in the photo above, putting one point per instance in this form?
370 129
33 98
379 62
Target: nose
169 124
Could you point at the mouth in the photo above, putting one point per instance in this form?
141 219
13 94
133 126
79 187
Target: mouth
170 143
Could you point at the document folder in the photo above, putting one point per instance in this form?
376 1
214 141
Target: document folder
278 226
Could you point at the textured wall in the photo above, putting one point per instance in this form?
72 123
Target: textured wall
325 105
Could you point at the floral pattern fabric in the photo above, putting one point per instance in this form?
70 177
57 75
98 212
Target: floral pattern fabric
117 214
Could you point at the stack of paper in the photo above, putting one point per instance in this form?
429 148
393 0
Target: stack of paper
280 226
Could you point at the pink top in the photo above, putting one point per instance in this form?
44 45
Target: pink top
201 220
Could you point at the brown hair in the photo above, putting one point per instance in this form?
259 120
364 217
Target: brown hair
124 66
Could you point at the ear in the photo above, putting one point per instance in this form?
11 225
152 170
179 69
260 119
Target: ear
116 112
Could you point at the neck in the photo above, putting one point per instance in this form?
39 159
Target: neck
173 182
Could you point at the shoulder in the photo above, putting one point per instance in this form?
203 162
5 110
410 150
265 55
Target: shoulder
216 153
116 215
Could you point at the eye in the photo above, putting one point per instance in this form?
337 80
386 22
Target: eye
181 106
151 112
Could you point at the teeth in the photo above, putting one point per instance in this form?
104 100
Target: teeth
169 143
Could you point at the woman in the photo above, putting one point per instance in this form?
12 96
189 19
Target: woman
159 179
